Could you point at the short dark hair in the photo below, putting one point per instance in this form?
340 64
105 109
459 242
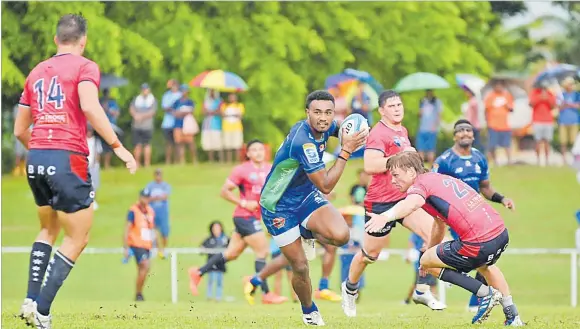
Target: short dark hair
319 95
461 121
71 28
385 95
252 142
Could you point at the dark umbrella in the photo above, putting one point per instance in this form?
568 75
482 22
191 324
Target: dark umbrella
557 73
111 81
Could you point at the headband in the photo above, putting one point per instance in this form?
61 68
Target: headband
462 126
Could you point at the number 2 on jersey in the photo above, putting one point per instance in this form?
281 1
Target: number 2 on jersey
54 94
459 192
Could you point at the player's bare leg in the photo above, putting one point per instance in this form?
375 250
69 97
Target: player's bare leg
39 258
234 249
142 271
367 255
76 234
490 297
328 260
420 223
259 245
495 277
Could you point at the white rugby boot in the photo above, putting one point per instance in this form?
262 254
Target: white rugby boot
348 301
428 300
313 319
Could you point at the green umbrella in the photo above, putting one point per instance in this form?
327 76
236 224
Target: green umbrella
421 81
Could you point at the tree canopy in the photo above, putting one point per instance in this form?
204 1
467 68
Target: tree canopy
282 49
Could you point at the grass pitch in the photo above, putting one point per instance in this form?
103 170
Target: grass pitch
99 292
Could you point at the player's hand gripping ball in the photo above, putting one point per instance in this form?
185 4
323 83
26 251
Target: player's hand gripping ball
351 125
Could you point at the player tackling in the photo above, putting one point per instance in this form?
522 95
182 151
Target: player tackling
59 95
292 202
483 236
387 138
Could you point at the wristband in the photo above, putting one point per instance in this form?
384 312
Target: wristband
344 155
115 144
340 157
496 197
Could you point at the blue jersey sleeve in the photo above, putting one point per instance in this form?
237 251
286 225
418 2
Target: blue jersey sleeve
440 166
484 169
305 151
131 217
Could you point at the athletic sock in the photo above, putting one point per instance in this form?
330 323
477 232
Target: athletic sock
421 288
39 257
351 288
323 284
56 272
259 264
256 281
463 281
308 310
215 260
509 308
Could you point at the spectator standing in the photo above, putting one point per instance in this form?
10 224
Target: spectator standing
171 95
472 115
112 111
217 240
430 110
568 119
498 104
142 111
95 151
211 128
542 102
159 202
233 130
185 127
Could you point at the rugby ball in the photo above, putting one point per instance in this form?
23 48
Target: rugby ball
353 124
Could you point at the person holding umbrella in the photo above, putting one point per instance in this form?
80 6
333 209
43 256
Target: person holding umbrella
430 110
569 115
233 130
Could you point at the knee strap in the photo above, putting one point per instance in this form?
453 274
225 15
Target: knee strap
368 258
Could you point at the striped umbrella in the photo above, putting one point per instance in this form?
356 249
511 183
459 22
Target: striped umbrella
219 80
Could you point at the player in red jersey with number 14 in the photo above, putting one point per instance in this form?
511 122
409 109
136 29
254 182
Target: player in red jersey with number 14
483 236
59 95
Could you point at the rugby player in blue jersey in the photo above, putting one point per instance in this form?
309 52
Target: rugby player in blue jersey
293 202
468 164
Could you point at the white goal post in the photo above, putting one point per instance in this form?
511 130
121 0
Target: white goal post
174 252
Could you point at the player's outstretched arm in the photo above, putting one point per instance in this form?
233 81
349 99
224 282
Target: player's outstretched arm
325 180
489 193
22 123
401 210
89 98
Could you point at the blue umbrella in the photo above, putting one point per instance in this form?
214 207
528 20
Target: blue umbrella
336 79
365 77
558 73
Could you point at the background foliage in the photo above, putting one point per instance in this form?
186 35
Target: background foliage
282 49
